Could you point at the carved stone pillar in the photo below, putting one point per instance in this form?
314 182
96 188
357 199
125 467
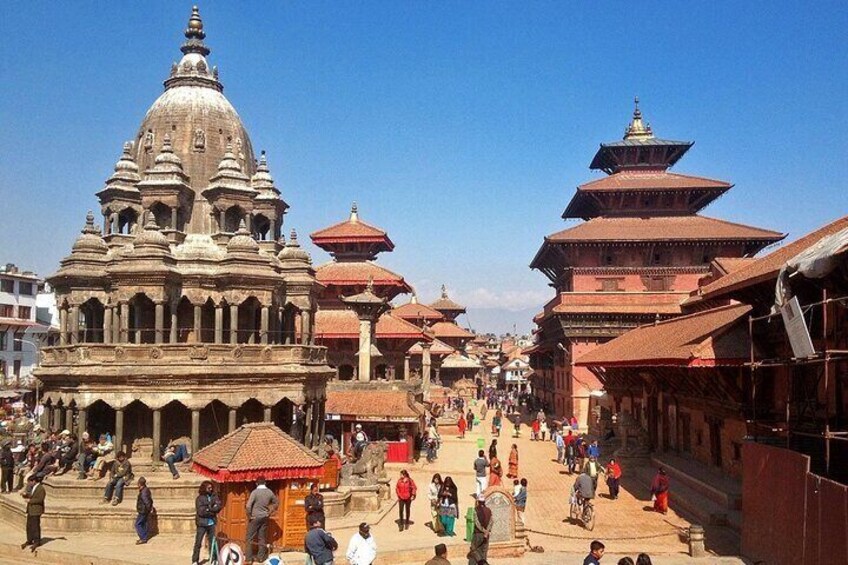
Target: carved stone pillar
125 322
306 327
107 324
425 370
69 419
222 221
316 423
63 326
322 417
174 218
307 437
75 319
233 324
119 430
198 322
219 324
263 326
157 436
82 422
57 419
172 334
195 430
364 349
116 324
266 414
159 323
406 367
231 424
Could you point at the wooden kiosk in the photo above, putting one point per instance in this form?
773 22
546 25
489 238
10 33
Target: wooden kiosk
236 460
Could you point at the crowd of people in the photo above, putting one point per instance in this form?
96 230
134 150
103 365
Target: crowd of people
596 553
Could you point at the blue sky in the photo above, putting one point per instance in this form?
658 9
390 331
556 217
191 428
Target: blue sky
462 128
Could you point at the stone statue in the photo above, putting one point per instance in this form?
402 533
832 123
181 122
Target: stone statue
148 141
368 469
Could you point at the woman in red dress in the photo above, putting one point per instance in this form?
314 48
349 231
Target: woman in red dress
659 488
513 463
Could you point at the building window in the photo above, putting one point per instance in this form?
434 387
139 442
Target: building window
7 285
25 288
18 343
658 284
24 312
2 341
610 285
7 311
17 368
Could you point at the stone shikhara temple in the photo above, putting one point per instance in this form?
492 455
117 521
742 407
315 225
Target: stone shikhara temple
186 314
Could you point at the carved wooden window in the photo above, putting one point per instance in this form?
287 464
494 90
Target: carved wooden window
658 284
7 311
610 285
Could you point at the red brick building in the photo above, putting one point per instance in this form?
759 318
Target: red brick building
639 251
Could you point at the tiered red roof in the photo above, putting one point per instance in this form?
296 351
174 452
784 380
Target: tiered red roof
450 330
615 303
662 228
347 273
711 338
652 180
343 324
256 450
767 267
438 347
415 312
352 230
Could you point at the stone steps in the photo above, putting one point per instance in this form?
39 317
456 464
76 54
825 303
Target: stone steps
723 491
87 514
693 504
162 485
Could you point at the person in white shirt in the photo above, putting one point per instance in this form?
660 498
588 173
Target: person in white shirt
362 549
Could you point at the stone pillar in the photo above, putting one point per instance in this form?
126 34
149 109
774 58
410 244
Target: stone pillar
231 424
306 327
63 326
174 218
119 430
406 367
75 319
219 324
364 350
222 221
116 324
125 322
307 424
82 422
159 323
69 419
172 334
157 436
425 370
266 414
316 422
322 418
233 324
195 430
44 417
198 323
57 419
107 324
116 226
438 370
263 326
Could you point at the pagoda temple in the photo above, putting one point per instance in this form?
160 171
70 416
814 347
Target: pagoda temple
186 315
640 250
354 246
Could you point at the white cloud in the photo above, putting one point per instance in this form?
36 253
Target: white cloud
512 300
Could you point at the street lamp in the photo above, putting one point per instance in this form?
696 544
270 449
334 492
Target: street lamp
35 348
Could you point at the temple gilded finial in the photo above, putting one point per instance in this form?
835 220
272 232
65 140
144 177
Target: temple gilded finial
354 213
195 25
637 129
444 291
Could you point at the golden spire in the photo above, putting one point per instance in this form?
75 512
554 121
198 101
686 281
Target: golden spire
354 213
195 25
637 128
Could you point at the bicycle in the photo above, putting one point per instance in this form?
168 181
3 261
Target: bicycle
582 510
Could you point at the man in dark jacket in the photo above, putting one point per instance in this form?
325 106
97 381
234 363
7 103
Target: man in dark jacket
144 507
206 506
7 466
119 475
34 493
320 544
314 506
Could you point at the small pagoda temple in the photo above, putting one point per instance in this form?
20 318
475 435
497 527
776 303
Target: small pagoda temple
639 252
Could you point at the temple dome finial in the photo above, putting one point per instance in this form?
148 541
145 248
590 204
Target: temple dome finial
637 128
354 213
195 25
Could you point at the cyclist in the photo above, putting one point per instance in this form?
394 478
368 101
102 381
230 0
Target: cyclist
584 488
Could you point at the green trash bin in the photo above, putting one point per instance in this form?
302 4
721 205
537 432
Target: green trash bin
469 524
481 443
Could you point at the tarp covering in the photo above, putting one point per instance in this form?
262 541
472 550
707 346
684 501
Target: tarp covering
815 262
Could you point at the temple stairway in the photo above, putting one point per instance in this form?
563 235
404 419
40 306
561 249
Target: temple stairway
703 494
72 505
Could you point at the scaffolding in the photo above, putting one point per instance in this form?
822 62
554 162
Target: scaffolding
830 352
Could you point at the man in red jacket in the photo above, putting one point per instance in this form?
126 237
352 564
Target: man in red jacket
406 491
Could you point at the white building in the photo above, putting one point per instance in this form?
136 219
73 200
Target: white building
20 332
514 374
